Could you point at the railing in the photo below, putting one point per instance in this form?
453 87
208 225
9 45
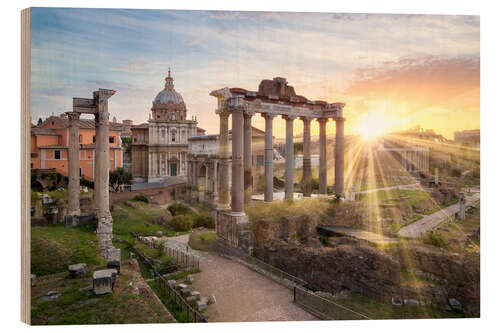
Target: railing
172 295
275 271
324 308
185 260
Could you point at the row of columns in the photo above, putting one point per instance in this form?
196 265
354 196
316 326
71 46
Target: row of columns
241 189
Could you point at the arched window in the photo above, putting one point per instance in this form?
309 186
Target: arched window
173 136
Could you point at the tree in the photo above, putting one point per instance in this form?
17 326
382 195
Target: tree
40 121
118 177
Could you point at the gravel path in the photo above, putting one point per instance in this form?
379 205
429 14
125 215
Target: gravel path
242 294
430 221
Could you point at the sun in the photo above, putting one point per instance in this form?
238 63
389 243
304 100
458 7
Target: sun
372 125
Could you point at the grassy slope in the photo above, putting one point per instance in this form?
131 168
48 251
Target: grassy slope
53 248
75 306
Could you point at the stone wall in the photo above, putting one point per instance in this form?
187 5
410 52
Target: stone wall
159 196
357 268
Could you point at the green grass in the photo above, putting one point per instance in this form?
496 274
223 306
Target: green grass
277 209
378 309
76 306
53 248
137 217
412 198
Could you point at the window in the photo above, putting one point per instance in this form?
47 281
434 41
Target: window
260 160
93 139
80 172
173 136
111 139
135 139
80 138
57 154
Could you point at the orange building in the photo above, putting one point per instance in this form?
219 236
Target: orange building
50 140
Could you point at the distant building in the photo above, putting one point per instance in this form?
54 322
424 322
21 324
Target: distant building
160 146
50 140
468 137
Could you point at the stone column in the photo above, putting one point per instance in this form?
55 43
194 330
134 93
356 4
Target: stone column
322 155
268 158
73 166
224 159
105 222
247 156
237 185
216 193
289 156
339 157
306 161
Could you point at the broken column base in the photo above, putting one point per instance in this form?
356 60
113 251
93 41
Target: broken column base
104 281
233 232
105 239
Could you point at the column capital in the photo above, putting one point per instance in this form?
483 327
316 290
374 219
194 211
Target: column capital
322 120
306 119
248 114
72 116
236 104
267 115
288 117
339 119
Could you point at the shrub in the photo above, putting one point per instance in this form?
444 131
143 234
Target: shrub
315 183
179 209
182 222
166 266
455 172
140 198
87 183
204 220
435 239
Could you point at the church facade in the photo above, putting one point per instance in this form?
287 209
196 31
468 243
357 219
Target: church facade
160 146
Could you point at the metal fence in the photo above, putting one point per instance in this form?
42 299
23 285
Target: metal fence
185 260
172 295
324 308
275 271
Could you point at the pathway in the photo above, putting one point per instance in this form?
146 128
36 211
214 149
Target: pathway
430 221
242 294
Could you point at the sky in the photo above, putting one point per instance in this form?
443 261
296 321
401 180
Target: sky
391 71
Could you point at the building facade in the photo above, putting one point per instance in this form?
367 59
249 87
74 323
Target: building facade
160 146
50 144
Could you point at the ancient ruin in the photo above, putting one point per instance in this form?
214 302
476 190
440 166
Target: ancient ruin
274 98
97 106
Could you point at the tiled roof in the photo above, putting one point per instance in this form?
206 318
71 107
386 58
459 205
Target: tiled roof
43 131
83 123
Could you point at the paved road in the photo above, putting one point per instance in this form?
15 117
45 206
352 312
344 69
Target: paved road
430 221
242 294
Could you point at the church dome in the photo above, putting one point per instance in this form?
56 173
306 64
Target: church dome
168 94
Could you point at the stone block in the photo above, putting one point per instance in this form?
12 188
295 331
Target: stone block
112 253
200 305
114 264
171 283
181 286
196 294
33 279
191 300
212 299
104 281
185 292
189 279
77 270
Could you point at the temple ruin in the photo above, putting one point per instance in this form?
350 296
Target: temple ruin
97 106
273 98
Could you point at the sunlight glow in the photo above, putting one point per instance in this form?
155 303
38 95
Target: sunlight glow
373 124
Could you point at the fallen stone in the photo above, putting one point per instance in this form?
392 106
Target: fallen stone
191 300
196 294
33 279
132 255
104 281
50 296
396 302
171 283
185 292
212 299
77 270
411 302
181 286
189 279
159 234
455 304
200 305
114 264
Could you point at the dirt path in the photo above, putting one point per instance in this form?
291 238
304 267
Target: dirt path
242 294
430 221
